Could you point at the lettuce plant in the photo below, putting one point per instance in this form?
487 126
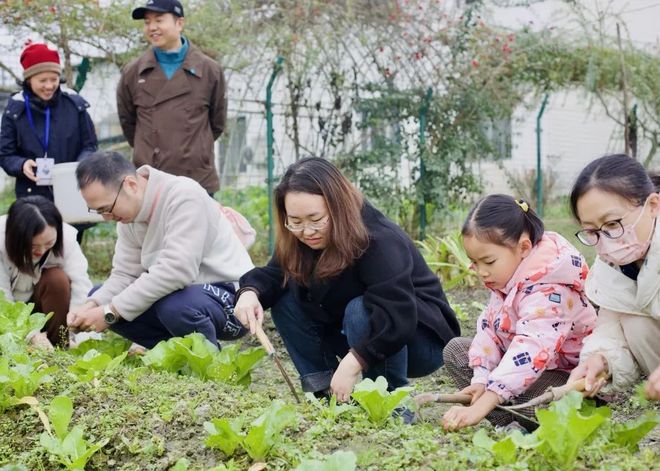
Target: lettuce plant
17 319
94 364
232 365
21 376
11 345
338 461
195 355
565 427
68 446
376 400
330 411
264 433
113 346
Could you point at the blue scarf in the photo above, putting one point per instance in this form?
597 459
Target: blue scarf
170 62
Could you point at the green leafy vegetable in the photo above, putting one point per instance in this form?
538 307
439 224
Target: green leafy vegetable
113 346
69 447
266 429
21 376
338 461
13 467
94 364
330 411
11 344
163 358
564 428
263 435
17 319
376 400
224 434
629 434
195 355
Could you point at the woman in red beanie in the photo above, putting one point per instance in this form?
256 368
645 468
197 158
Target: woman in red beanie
43 124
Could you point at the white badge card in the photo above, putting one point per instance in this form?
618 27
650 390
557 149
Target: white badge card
45 171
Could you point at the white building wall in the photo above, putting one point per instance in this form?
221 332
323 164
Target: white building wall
575 128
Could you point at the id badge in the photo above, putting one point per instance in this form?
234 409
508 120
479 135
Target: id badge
45 171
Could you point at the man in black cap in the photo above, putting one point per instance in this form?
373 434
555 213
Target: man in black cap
171 100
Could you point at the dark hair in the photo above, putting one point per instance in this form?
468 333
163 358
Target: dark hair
106 167
27 218
502 220
618 174
348 237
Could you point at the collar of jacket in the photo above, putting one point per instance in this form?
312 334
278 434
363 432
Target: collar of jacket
172 57
37 103
609 288
193 63
16 104
544 264
155 185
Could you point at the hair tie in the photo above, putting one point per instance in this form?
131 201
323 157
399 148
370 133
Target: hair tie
523 205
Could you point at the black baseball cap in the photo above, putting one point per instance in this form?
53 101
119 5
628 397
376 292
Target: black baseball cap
159 6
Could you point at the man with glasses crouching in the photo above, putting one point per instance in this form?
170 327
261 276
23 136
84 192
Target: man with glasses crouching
177 259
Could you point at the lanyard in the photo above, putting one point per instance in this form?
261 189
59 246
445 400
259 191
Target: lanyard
28 111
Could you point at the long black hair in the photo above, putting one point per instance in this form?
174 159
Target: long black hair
502 220
618 174
27 218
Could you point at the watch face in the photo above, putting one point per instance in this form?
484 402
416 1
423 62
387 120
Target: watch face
110 318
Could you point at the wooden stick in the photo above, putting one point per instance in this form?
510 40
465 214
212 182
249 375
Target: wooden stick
270 350
456 398
263 340
555 393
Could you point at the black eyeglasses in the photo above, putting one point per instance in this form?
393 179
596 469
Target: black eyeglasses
610 229
103 212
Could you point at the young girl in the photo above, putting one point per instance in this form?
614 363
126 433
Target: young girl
530 335
617 204
346 282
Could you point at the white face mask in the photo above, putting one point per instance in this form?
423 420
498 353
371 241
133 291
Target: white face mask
627 248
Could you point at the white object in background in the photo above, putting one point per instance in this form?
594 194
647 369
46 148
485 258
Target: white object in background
67 195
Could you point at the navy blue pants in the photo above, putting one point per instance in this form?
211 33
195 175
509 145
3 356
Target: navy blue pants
314 347
207 309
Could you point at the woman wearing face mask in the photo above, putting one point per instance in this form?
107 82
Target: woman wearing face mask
617 204
43 124
42 263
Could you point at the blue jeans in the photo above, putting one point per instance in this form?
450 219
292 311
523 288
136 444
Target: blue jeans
314 346
207 309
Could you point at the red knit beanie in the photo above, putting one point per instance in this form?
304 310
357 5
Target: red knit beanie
37 58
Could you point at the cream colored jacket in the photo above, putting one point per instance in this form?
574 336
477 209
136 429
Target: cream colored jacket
615 293
179 238
18 286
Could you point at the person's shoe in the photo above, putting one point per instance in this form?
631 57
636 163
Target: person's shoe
136 349
508 428
407 415
323 394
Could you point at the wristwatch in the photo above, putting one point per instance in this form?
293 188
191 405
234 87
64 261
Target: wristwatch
109 316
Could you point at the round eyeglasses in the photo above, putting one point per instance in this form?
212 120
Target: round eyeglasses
312 226
610 229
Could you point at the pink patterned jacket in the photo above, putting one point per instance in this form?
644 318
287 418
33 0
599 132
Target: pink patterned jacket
536 323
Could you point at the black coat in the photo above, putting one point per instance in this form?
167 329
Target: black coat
399 291
72 136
